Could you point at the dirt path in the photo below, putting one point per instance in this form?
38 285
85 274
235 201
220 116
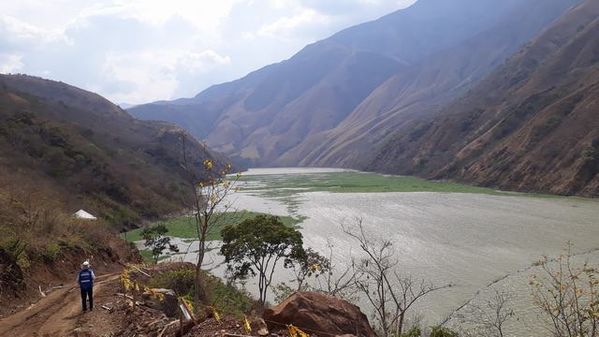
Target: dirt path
59 314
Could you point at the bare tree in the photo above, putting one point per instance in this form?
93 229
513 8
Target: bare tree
338 282
490 318
390 294
568 296
209 205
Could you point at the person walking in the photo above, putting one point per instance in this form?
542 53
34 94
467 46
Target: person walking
85 278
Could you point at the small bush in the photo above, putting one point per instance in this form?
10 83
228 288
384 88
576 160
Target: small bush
181 281
226 298
51 253
439 331
17 250
415 331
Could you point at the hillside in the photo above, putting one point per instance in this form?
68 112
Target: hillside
90 152
532 125
333 101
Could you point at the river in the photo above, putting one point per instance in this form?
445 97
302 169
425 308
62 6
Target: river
475 241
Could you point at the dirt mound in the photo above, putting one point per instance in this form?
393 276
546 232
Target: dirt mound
320 314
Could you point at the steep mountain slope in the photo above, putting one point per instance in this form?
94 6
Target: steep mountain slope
335 99
532 125
90 152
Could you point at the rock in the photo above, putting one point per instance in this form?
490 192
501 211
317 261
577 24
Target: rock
82 332
319 314
169 304
260 326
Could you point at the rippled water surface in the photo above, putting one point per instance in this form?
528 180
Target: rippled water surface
472 240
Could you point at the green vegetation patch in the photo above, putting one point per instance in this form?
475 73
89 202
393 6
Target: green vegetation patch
184 226
226 298
284 186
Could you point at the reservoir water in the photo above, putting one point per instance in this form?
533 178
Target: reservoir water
478 241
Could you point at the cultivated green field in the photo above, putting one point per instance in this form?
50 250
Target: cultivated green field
184 227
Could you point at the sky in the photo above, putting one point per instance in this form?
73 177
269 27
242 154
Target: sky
137 51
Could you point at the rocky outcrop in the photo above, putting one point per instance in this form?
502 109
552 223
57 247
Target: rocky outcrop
319 314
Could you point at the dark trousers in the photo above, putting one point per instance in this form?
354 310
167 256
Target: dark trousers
87 294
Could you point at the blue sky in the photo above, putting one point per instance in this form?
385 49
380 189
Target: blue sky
136 51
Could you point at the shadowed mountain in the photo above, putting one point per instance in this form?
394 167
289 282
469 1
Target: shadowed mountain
93 153
532 125
335 100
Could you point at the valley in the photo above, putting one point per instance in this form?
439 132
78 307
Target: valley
428 171
475 239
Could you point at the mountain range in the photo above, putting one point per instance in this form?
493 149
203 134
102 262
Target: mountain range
404 93
532 125
91 153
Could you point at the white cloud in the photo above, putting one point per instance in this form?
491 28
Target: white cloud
17 33
202 61
285 27
135 76
10 63
142 50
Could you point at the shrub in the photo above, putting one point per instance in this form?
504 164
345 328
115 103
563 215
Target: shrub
225 297
415 331
568 296
51 252
439 331
17 251
180 280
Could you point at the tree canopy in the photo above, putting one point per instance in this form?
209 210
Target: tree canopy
155 238
255 246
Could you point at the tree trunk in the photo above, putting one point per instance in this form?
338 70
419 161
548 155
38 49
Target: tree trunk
400 324
200 290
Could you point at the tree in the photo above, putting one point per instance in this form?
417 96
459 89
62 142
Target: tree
157 240
340 282
209 191
490 318
390 294
255 246
568 296
309 263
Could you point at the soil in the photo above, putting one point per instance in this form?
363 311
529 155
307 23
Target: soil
59 314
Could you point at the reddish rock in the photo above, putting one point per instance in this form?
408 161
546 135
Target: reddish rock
319 314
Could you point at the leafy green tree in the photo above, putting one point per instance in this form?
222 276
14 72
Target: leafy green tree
156 239
255 247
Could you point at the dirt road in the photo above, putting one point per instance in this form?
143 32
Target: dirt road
59 314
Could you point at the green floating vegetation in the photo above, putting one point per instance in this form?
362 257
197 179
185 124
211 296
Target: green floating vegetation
184 226
282 186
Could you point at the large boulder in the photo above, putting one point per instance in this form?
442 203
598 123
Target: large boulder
319 314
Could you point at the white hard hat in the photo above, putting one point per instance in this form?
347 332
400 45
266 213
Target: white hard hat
85 263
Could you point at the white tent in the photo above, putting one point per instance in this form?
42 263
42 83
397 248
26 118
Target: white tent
81 214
